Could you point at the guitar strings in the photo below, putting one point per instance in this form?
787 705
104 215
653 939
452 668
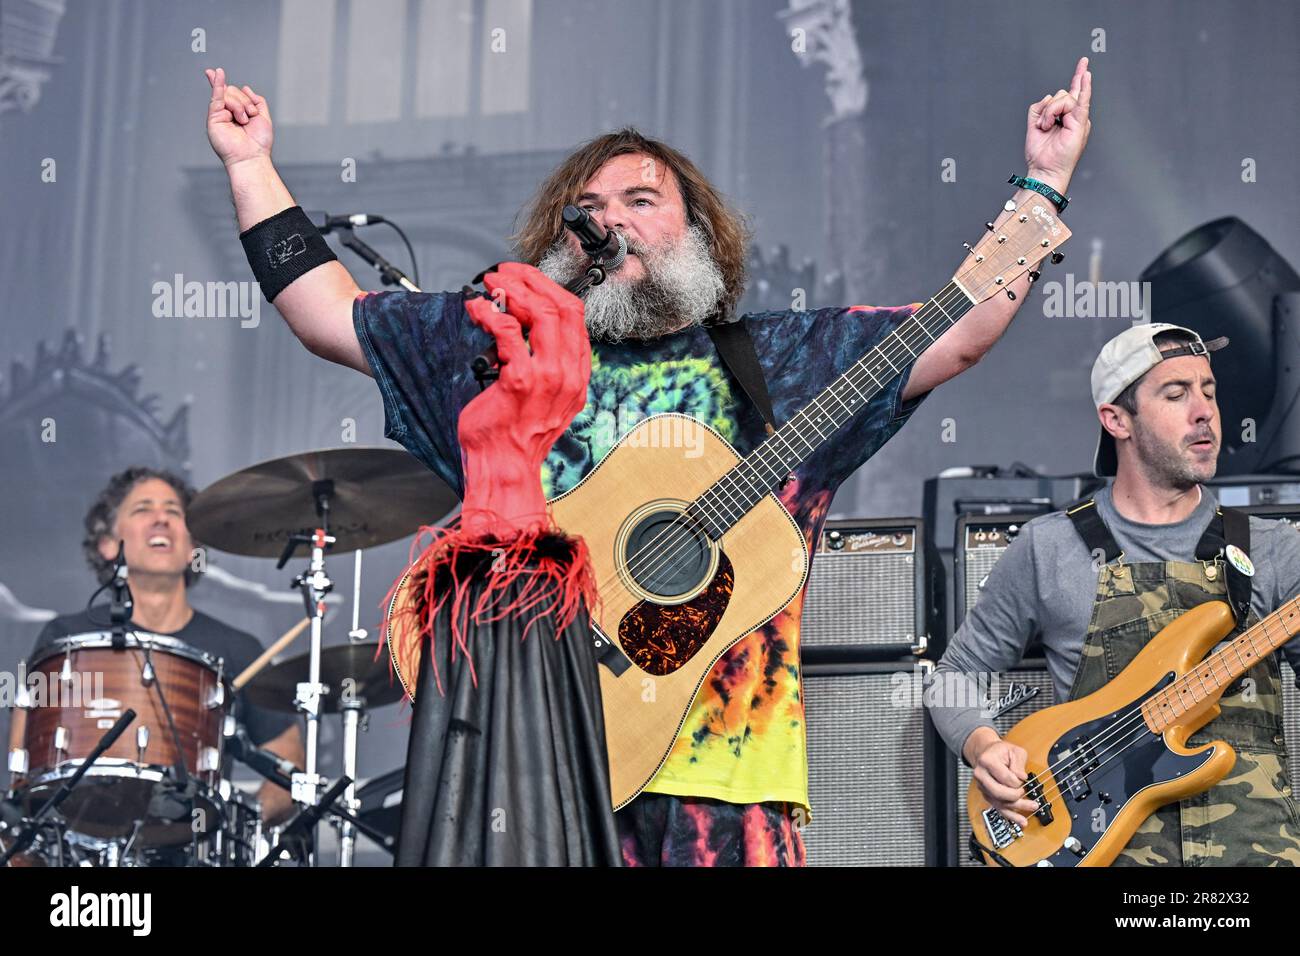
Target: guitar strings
672 549
1121 724
682 534
1126 723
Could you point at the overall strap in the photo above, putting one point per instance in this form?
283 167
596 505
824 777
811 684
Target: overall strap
1229 526
736 346
1096 536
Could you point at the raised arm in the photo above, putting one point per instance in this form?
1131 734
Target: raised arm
1057 132
318 304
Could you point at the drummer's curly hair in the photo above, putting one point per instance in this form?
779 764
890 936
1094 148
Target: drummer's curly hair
727 231
103 515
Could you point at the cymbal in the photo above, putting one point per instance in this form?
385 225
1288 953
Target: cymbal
275 687
378 495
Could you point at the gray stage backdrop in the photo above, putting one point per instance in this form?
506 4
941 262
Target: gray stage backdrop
866 140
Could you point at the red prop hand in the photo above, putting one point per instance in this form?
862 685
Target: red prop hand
507 430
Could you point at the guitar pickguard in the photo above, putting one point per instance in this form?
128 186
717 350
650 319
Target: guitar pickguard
1091 784
662 638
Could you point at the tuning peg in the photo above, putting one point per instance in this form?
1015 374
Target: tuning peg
988 226
966 246
1057 257
1011 295
1033 275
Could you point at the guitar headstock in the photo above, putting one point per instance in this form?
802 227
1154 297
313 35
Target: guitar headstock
1006 253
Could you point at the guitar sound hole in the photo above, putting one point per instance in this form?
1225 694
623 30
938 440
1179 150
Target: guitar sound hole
667 555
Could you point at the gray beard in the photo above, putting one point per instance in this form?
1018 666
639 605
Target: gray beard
682 287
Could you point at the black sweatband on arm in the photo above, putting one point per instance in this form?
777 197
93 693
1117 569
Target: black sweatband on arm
282 248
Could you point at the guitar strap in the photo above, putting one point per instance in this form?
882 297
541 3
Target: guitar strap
736 346
1228 527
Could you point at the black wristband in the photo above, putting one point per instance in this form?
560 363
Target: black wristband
282 248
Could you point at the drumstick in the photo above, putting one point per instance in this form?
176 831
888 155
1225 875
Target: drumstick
253 669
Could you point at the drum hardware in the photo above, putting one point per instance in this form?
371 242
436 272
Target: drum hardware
351 671
298 837
358 634
18 762
347 839
28 833
314 585
217 696
173 798
335 500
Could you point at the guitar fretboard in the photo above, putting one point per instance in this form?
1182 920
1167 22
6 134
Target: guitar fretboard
1209 678
766 467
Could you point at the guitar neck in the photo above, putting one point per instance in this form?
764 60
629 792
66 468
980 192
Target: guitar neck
1208 679
767 466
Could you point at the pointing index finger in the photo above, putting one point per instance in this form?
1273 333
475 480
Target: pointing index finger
1085 90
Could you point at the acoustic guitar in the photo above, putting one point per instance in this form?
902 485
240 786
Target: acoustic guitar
1100 765
690 546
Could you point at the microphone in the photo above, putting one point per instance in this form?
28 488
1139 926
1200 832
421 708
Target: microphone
326 222
606 248
123 602
271 766
119 564
609 248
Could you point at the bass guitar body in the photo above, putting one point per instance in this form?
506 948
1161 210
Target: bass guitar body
1098 770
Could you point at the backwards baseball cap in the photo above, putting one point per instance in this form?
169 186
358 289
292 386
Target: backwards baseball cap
1124 360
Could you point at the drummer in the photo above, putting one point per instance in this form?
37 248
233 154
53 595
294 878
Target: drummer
145 508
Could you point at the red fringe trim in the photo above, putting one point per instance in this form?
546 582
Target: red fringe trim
554 569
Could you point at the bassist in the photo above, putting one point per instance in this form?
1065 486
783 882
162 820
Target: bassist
1097 582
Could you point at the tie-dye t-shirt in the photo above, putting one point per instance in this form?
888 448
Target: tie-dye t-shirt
743 741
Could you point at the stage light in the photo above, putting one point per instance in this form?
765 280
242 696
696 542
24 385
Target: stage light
1223 278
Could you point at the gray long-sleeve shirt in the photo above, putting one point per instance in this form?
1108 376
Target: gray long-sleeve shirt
1045 585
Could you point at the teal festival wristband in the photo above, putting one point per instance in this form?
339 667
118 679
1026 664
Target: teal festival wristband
1034 185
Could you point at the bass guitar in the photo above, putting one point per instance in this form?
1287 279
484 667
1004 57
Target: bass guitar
1100 765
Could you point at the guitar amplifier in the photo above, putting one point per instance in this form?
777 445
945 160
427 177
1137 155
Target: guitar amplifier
980 541
1035 677
1290 514
866 596
869 760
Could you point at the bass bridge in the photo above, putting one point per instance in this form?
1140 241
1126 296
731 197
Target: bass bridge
1002 832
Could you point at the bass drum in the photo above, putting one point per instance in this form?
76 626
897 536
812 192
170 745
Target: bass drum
80 685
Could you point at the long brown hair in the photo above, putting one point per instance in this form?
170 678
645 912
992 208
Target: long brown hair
726 230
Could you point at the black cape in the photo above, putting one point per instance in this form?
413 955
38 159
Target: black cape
513 771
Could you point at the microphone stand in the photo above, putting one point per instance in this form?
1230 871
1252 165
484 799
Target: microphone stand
389 274
303 826
123 602
595 242
485 364
242 748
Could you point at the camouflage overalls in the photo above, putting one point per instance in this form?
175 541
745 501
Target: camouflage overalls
1248 819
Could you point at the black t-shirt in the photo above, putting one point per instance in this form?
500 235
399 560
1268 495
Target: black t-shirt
204 633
